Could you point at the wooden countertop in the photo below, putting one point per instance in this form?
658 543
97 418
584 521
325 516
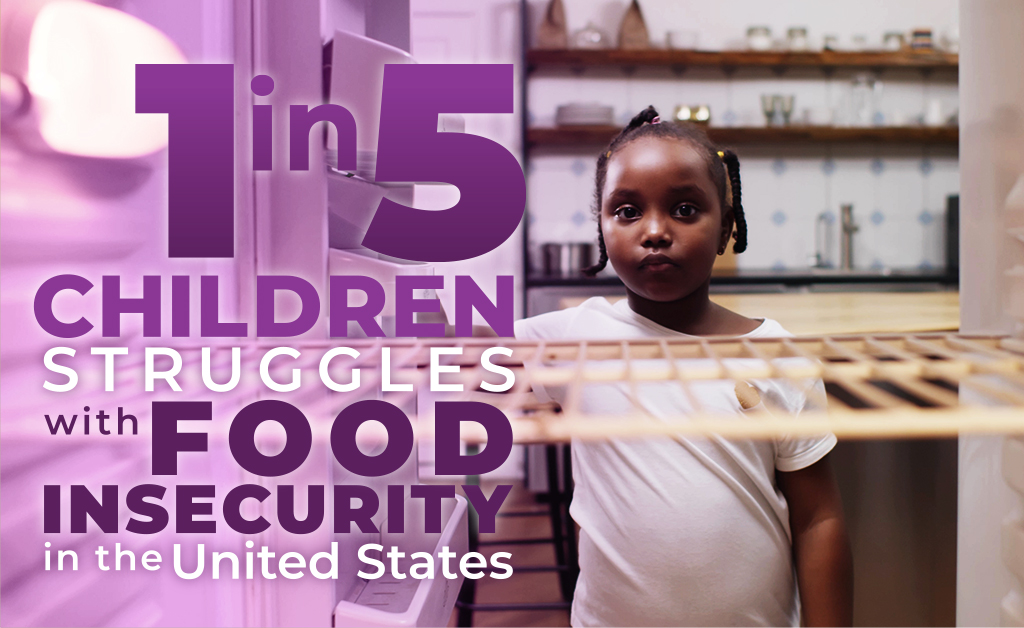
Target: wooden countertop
843 312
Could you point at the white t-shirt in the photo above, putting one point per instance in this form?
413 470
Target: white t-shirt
676 530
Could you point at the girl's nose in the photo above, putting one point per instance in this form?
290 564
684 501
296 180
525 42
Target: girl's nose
656 234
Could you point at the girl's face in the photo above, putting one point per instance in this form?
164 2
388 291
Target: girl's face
662 221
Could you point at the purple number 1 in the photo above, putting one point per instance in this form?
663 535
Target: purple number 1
200 101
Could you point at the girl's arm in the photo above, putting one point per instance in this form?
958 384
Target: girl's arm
821 548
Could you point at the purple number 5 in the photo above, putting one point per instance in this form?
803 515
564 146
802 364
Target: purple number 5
409 148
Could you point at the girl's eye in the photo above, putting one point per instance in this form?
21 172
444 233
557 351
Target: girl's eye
627 212
685 210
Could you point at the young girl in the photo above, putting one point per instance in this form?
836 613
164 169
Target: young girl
691 531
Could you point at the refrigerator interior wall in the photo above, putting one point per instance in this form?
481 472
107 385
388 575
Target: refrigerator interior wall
992 162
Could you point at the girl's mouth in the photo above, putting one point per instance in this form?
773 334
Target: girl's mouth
657 263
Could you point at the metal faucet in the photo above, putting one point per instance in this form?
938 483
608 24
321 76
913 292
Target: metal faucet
846 242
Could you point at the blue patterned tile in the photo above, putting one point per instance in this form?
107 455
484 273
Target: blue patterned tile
878 119
579 218
533 219
877 166
828 166
729 117
578 167
625 117
779 265
530 118
779 217
531 168
830 217
877 264
926 166
925 265
877 217
779 167
925 218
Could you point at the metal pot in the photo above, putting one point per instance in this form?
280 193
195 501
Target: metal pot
566 258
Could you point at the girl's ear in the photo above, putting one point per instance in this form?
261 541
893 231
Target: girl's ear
728 221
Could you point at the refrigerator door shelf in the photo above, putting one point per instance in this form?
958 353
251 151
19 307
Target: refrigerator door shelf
387 601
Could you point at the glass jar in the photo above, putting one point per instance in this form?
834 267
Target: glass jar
951 40
759 38
893 41
591 38
796 38
864 99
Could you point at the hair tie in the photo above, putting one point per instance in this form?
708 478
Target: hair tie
721 154
656 120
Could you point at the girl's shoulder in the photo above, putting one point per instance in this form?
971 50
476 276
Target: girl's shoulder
572 322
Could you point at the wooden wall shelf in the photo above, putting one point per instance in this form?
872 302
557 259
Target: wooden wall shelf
577 135
742 59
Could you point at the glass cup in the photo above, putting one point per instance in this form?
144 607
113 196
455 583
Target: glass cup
770 104
785 107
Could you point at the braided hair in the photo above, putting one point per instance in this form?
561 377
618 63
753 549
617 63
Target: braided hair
726 179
